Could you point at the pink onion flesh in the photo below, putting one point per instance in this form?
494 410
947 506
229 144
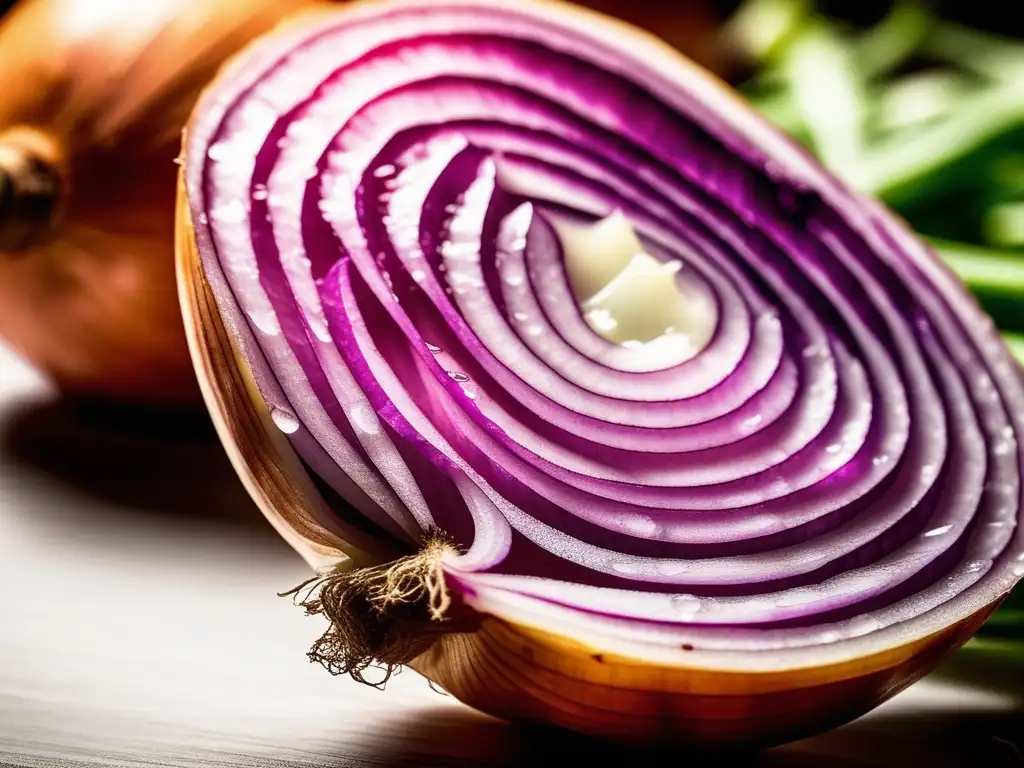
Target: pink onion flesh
376 200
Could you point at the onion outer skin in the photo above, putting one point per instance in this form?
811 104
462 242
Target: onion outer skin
100 97
515 668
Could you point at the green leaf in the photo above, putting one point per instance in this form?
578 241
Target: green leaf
1004 224
827 91
996 278
893 40
982 267
991 56
1016 343
760 28
894 169
916 100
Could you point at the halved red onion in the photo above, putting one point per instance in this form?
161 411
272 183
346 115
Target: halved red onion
823 469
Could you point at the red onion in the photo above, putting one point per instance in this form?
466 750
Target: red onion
756 526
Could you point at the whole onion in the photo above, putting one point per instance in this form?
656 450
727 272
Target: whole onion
95 94
589 395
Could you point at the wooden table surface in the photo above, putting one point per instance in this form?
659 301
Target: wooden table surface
139 626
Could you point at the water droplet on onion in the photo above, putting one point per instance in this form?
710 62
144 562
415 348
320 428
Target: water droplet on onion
626 568
673 568
687 605
1018 569
751 424
363 419
265 321
233 212
797 597
862 625
285 420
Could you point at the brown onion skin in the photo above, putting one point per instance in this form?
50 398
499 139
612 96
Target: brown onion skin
101 90
521 675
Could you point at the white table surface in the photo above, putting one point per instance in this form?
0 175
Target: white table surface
139 625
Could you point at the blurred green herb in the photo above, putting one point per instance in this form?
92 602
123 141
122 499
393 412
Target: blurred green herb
927 116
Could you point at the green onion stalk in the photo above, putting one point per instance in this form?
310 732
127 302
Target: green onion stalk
925 115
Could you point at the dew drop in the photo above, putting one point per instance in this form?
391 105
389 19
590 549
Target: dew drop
815 350
266 321
640 525
829 636
515 277
602 320
522 317
796 597
319 327
534 330
834 448
928 472
751 424
285 420
364 419
458 376
974 566
673 568
771 319
259 192
687 605
627 568
880 460
938 531
233 212
863 625
1003 447
1018 568
219 151
433 348
383 171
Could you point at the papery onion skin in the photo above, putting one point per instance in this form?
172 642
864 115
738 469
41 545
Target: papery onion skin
99 92
801 649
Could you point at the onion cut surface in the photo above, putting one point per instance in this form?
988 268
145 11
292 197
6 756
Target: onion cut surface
762 522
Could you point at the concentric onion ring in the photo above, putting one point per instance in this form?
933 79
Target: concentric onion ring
835 472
